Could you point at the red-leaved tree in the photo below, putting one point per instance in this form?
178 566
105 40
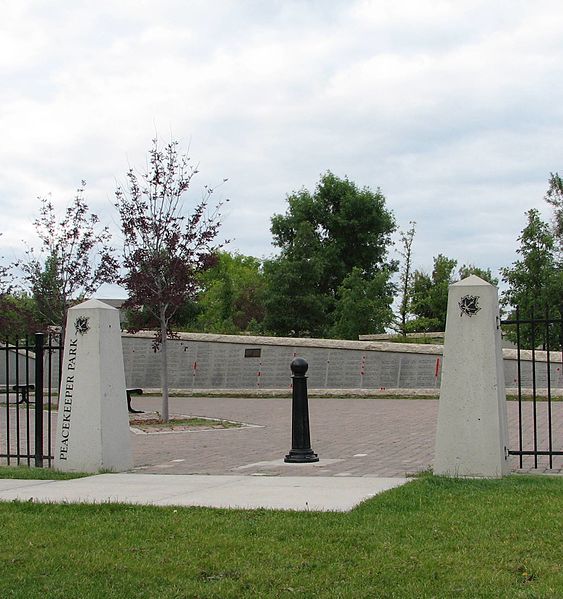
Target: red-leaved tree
165 245
71 260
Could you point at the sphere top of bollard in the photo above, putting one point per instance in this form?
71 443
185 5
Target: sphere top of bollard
299 366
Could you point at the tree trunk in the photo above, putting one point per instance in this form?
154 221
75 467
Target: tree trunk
407 239
405 299
164 370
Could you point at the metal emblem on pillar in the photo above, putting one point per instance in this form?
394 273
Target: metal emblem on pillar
301 452
469 304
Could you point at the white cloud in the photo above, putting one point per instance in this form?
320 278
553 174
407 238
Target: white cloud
453 108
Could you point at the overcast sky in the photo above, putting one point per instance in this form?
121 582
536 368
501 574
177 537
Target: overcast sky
453 108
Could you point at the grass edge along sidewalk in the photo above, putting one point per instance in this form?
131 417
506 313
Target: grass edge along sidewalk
434 537
30 473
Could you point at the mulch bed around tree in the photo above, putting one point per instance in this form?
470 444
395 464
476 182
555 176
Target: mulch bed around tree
151 422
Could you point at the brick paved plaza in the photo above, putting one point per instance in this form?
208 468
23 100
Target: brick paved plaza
353 437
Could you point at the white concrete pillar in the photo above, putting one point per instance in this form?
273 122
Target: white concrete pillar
93 424
471 438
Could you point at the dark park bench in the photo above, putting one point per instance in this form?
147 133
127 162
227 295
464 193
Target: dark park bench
133 391
23 392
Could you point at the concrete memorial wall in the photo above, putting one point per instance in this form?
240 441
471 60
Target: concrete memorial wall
20 365
199 361
16 365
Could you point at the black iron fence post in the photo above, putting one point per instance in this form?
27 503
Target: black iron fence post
39 345
301 451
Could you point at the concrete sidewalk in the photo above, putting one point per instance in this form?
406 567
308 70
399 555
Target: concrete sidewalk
300 493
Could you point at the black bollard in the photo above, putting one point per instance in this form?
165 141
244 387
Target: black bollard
301 452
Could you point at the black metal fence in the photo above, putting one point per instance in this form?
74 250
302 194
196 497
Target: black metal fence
29 383
541 337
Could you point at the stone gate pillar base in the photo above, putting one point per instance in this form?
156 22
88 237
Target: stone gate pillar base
92 422
471 438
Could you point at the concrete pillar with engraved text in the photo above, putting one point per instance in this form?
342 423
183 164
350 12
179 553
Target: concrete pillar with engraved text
471 437
92 423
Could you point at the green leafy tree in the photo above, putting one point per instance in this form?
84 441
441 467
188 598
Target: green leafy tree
429 296
323 236
232 296
18 315
165 246
45 285
535 281
554 197
140 318
293 304
363 305
405 277
429 293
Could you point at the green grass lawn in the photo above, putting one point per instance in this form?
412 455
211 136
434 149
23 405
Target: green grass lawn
25 472
434 537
